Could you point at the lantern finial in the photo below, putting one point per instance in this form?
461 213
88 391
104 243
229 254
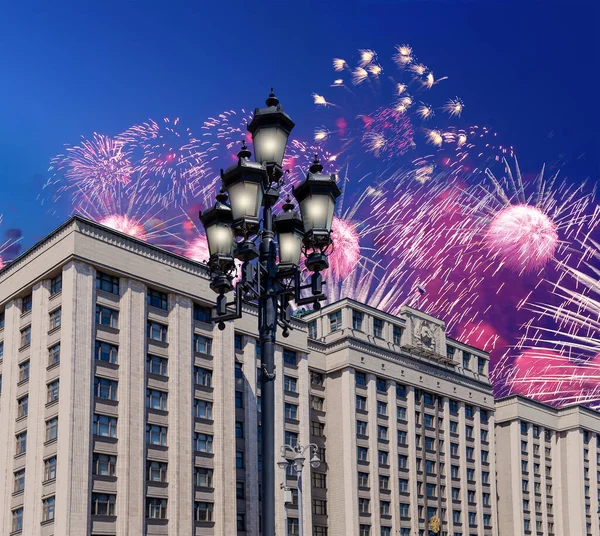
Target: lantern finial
244 152
316 165
272 100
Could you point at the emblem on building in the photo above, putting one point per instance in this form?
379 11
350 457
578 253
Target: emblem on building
434 524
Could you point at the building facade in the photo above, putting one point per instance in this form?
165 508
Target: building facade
550 484
126 412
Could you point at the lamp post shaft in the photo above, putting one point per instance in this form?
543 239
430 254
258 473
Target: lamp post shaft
267 330
300 514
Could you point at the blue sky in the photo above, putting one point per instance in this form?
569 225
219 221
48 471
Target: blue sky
528 69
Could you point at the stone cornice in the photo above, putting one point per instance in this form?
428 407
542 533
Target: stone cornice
404 359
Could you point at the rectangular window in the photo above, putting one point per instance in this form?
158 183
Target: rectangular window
480 365
289 357
428 420
361 403
335 321
312 329
103 504
104 465
316 378
1 350
361 428
381 408
471 475
428 398
156 365
107 283
156 435
239 460
156 471
104 388
454 471
204 314
55 318
382 433
156 508
2 319
291 411
431 490
291 438
381 385
293 527
404 510
155 298
202 345
470 454
203 376
56 285
363 505
22 406
453 406
430 467
50 469
52 429
26 336
27 304
240 490
319 480
239 399
362 454
17 519
450 351
357 320
485 477
466 360
239 430
402 461
397 335
455 494
157 332
239 371
289 383
378 327
48 509
52 392
360 378
483 416
382 457
401 413
469 410
402 437
106 352
317 403
203 442
202 409
54 355
319 507
107 317
156 399
203 511
19 481
403 485
363 480
203 477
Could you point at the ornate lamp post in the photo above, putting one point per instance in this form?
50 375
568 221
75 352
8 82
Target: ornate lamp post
233 231
297 462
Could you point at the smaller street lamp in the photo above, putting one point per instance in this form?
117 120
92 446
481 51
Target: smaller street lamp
290 234
298 462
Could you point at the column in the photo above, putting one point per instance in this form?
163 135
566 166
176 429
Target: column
181 423
304 438
493 484
73 468
373 452
412 459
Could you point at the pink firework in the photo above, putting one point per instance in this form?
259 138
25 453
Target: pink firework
197 250
523 236
345 256
126 225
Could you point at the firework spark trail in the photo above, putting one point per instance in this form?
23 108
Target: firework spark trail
8 247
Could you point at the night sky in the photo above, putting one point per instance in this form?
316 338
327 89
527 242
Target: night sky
527 69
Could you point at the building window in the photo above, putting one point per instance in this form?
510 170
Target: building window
402 437
291 411
156 435
239 460
454 471
455 494
431 490
523 447
402 461
471 475
317 403
24 371
155 298
480 365
319 507
52 429
384 482
103 465
289 384
470 454
382 433
312 329
382 457
404 510
19 481
316 378
240 490
239 399
17 520
202 409
157 332
203 376
319 531
360 378
378 327
484 456
397 335
485 477
239 429
106 352
54 355
363 480
401 413
335 321
381 408
292 527
291 438
483 416
239 371
469 411
107 283
361 428
400 390
466 360
1 350
156 508
103 504
524 427
55 318
430 467
204 314
26 336
361 403
156 365
104 388
381 385
203 511
156 399
52 390
486 499
105 426
241 522
56 285
107 317
289 357
428 420
319 480
363 505
362 454
204 477
48 509
453 406
453 449
27 304
471 496
526 525
22 406
202 345
50 469
357 320
203 442
450 351
2 319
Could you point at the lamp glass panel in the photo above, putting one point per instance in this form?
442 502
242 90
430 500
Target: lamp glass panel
269 144
290 248
245 199
220 240
317 212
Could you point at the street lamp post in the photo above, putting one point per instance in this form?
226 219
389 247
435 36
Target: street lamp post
233 227
298 462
